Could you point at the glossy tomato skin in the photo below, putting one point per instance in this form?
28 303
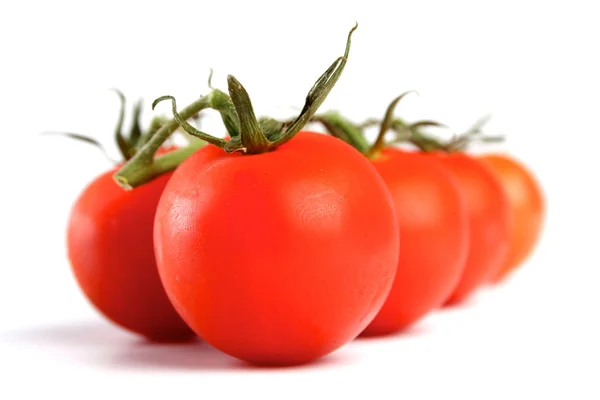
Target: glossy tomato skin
278 258
527 209
109 241
488 213
435 237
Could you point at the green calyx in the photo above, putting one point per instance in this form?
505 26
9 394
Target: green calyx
128 143
354 134
457 143
248 134
135 139
252 136
342 128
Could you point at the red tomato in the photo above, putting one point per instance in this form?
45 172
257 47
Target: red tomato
434 232
488 212
527 209
281 257
110 247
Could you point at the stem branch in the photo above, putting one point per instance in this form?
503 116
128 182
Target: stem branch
342 128
141 168
386 124
237 114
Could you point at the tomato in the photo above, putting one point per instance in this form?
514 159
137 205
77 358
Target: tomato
488 213
527 209
280 257
435 238
110 247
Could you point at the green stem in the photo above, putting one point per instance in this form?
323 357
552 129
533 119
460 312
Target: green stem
221 102
122 144
271 127
140 168
180 119
160 165
412 134
252 137
136 130
386 124
318 93
461 142
238 116
426 144
155 125
345 130
458 143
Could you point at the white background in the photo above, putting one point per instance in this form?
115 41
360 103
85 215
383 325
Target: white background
532 64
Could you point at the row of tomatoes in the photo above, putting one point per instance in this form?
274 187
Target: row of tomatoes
284 255
275 261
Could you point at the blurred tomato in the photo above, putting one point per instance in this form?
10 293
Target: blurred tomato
110 247
434 236
488 212
527 209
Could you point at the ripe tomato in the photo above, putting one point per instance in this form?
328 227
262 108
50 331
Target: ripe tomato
527 209
434 232
488 212
280 257
109 240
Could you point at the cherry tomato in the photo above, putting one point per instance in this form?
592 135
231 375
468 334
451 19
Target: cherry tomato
280 257
527 209
434 233
109 240
488 213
